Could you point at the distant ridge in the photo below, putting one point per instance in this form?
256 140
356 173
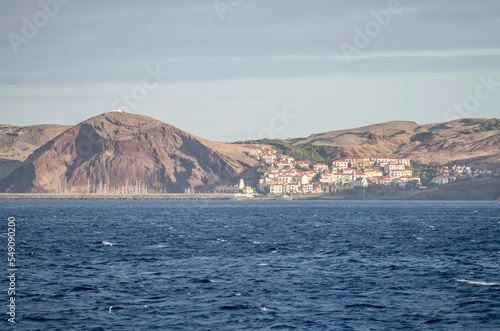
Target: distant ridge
117 151
439 142
18 142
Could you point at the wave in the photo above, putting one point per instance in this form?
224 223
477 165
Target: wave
207 281
474 282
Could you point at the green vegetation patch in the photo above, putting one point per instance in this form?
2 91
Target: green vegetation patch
425 171
301 152
489 125
370 136
423 136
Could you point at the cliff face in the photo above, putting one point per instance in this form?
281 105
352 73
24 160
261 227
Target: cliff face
113 152
440 142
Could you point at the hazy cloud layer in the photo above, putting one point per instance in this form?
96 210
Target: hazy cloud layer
91 52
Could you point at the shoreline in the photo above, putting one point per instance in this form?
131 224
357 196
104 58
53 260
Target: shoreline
159 196
211 196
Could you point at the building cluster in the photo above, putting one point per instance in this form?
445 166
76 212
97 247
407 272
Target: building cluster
362 172
291 181
286 176
446 175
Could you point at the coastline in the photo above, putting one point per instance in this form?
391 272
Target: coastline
162 196
215 197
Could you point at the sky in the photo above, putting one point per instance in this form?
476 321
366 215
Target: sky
231 70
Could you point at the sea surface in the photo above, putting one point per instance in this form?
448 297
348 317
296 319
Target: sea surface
261 265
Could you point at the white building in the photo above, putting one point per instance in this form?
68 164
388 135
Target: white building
360 182
341 165
301 179
440 180
276 188
307 188
400 173
292 188
393 166
385 180
327 178
320 167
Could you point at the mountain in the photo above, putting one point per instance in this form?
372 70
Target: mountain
18 142
118 151
439 142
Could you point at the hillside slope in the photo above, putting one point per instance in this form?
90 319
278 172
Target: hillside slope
116 150
480 189
18 142
439 142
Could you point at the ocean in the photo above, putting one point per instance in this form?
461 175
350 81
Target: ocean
252 265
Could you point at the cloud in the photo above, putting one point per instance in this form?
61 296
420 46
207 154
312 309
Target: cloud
99 49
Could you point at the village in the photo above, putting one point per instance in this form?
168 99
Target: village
283 175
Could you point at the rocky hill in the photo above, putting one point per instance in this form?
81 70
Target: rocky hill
117 151
440 142
18 142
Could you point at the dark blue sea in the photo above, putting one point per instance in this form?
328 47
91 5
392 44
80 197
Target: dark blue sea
263 265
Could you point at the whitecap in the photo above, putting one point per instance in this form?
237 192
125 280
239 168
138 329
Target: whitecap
107 243
266 309
474 282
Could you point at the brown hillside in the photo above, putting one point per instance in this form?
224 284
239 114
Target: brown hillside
18 142
114 150
440 142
